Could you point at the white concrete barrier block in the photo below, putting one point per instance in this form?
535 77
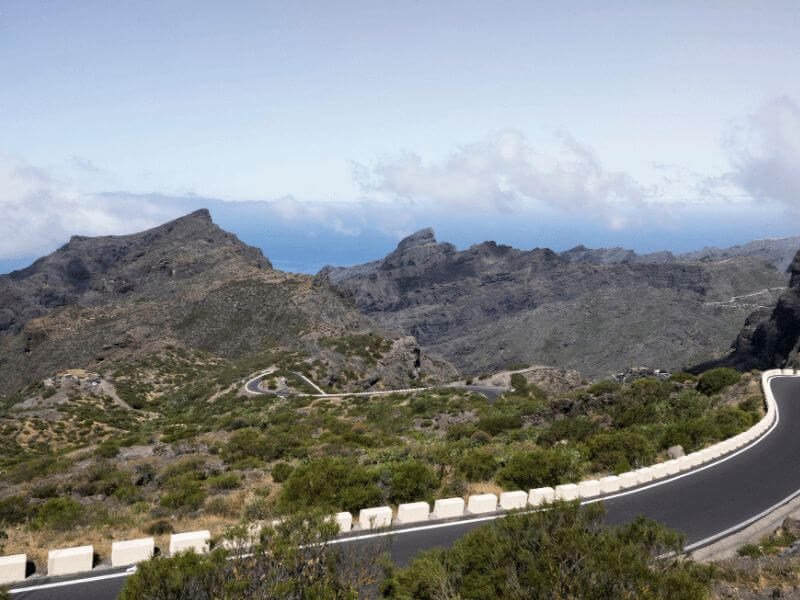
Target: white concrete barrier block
628 480
375 518
68 561
542 495
671 467
250 536
413 512
130 552
12 568
344 520
644 475
448 508
659 471
197 541
513 500
610 484
694 459
567 491
589 488
482 503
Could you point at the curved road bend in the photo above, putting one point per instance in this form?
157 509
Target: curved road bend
703 503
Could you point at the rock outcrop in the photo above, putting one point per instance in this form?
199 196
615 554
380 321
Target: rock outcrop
771 338
492 306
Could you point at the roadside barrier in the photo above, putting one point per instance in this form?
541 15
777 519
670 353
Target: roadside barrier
12 568
197 541
68 561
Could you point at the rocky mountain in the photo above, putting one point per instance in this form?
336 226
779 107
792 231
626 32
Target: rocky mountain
612 256
778 252
771 336
186 283
492 306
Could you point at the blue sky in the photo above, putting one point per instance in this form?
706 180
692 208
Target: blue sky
323 132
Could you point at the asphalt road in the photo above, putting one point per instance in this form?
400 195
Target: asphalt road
714 499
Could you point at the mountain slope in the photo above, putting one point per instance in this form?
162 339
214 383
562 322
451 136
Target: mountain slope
490 305
778 252
185 283
771 337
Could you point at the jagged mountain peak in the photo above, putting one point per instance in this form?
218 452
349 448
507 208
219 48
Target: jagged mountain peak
423 237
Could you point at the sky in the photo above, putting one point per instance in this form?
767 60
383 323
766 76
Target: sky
325 132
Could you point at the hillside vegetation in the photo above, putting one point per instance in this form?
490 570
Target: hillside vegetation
172 443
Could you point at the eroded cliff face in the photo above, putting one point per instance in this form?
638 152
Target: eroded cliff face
770 338
491 305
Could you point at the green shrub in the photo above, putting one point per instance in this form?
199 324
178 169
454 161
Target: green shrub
714 381
37 467
682 377
648 390
224 481
108 449
291 561
459 431
519 383
477 465
497 423
541 467
193 467
564 552
751 550
411 481
620 451
752 404
45 491
58 514
108 481
607 386
281 471
330 483
716 425
13 510
249 443
188 495
571 428
159 527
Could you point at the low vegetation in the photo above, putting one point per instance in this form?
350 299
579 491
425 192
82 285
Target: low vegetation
564 552
197 455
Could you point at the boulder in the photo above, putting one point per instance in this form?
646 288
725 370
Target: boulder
675 452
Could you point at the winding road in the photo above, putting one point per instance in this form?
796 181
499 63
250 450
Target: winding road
707 503
252 386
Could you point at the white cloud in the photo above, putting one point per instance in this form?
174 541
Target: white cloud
764 151
505 173
39 212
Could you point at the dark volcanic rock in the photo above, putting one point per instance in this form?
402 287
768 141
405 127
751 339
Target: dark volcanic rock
596 311
772 338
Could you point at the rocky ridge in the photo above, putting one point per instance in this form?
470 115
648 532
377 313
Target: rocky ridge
186 283
491 306
771 336
778 252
